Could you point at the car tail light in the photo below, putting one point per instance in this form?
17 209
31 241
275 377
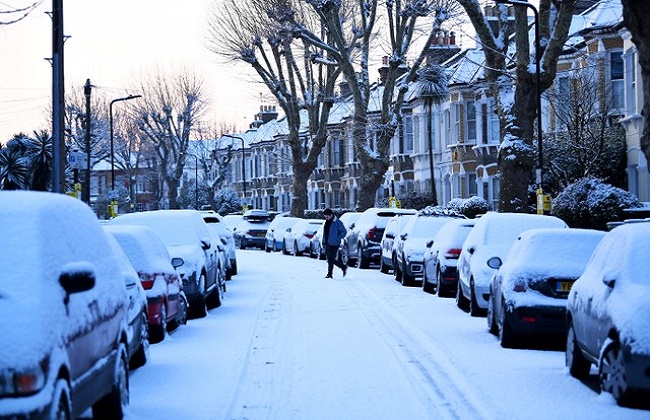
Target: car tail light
309 235
371 234
528 319
520 287
147 280
453 253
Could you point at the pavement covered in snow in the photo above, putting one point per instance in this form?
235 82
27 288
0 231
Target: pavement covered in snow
288 344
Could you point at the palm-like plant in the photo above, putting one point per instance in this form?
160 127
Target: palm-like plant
432 85
14 169
40 155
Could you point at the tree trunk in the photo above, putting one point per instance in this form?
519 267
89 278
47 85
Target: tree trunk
172 193
636 17
299 199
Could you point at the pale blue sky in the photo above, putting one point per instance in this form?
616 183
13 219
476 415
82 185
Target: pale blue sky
113 43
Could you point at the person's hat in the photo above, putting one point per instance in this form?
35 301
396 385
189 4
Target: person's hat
328 212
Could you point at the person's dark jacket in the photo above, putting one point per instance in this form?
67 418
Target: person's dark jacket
336 233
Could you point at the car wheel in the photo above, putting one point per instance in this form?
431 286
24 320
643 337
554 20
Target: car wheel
443 291
284 248
181 319
427 287
60 408
233 268
213 300
461 301
344 256
397 271
361 261
407 280
241 244
382 266
157 332
507 337
266 247
312 252
574 359
296 251
493 327
611 373
198 308
474 309
139 358
114 404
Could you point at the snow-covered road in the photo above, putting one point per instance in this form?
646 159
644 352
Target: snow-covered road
288 344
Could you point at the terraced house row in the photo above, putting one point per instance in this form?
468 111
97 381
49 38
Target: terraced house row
457 139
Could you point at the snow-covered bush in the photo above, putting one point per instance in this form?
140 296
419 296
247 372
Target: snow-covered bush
590 203
469 207
226 201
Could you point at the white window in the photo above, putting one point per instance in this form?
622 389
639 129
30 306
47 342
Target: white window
470 118
407 124
630 83
617 79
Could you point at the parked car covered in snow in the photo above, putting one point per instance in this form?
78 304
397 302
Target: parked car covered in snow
64 307
217 222
528 293
251 230
492 236
608 309
276 232
441 258
394 228
186 236
361 245
298 240
411 244
137 325
166 303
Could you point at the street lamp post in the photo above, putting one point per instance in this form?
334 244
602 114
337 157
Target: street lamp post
243 160
196 179
538 58
110 115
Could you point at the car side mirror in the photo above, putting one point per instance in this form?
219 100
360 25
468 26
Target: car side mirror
288 229
177 262
352 226
76 278
429 243
609 282
471 250
390 236
494 262
205 244
403 236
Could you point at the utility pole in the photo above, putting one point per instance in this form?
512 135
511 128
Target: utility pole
58 99
87 90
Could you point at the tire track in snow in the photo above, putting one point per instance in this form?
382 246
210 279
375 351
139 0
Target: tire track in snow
435 377
259 387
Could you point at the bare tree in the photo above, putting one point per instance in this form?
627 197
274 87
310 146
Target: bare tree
636 17
298 75
586 143
517 117
353 35
168 115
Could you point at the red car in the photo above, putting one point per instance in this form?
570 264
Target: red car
166 302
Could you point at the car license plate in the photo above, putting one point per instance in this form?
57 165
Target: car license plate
564 286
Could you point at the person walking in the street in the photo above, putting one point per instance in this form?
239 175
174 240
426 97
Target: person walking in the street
333 232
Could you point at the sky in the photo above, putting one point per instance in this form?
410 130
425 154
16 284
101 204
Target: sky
114 43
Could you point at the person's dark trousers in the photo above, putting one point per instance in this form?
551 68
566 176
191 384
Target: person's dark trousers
330 254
